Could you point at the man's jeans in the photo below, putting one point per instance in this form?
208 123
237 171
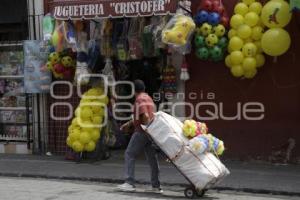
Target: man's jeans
139 142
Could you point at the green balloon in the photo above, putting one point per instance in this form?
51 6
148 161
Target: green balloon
202 53
216 53
223 42
199 41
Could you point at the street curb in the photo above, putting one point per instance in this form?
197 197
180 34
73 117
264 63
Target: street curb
119 181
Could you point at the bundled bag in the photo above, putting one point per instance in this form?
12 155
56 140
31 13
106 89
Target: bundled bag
178 31
203 170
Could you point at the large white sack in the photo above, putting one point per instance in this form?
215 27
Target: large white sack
203 171
166 131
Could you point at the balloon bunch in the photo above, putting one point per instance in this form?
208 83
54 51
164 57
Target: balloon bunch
191 128
62 64
245 40
276 15
206 142
210 40
84 131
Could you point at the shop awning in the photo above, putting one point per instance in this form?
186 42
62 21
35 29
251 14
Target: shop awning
96 9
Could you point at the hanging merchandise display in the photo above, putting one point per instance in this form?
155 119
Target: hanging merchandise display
82 72
84 131
135 34
169 82
245 40
178 31
184 76
210 40
276 15
48 27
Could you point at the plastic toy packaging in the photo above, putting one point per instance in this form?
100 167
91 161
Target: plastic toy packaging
48 27
134 38
178 31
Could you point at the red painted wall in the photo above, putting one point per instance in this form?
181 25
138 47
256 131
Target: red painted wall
277 86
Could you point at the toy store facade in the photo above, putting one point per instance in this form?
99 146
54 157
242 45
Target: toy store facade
255 116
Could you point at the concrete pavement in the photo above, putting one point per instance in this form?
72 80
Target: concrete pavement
36 189
247 177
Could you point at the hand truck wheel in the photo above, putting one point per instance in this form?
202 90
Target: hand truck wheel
190 193
200 193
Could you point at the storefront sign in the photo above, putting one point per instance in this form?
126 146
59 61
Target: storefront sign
111 8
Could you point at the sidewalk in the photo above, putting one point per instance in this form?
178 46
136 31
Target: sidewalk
247 177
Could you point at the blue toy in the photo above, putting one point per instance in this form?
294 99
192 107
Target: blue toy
213 18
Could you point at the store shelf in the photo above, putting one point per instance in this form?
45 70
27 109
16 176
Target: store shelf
14 108
15 123
7 138
11 76
11 44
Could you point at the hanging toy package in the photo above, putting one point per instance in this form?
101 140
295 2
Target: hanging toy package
119 39
178 32
169 82
157 31
82 73
94 44
48 27
58 36
134 38
184 76
106 38
147 40
108 71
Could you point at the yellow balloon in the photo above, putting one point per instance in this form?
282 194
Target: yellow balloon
255 7
92 92
257 32
244 31
89 147
77 146
237 71
275 41
236 20
97 120
249 64
75 122
236 43
248 2
232 33
229 49
75 135
241 9
250 73
228 61
95 134
258 46
86 113
249 50
69 142
248 40
260 60
276 14
251 19
236 57
85 138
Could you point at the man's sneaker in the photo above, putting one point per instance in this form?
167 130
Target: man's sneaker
126 187
155 190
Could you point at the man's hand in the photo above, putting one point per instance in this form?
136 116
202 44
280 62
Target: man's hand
125 127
